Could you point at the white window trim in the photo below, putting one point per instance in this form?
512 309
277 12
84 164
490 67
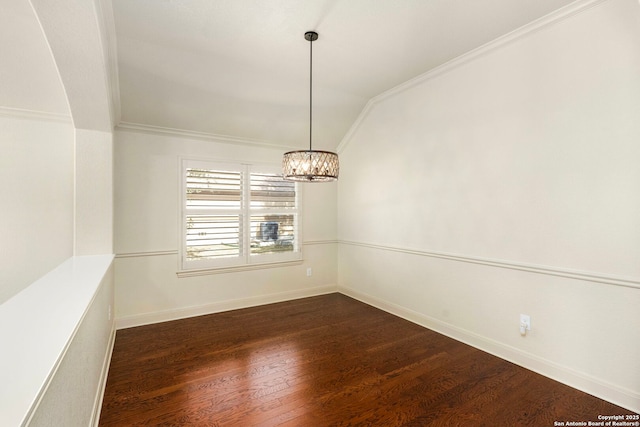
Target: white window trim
246 261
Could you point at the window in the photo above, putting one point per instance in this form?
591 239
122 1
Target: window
236 215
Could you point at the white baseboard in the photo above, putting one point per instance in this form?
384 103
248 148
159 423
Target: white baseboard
610 392
217 307
97 404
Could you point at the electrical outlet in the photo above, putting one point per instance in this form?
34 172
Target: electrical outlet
526 321
309 272
109 312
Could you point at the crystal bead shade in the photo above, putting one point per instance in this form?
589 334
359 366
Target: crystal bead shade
310 166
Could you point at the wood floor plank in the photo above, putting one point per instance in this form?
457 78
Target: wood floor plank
323 361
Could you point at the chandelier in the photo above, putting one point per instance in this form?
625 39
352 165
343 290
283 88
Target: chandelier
310 165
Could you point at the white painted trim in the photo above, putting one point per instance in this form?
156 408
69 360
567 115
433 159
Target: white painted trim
217 307
603 278
18 113
146 254
552 18
618 395
97 404
183 133
319 242
175 252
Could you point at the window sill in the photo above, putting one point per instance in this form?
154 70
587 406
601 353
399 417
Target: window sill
235 269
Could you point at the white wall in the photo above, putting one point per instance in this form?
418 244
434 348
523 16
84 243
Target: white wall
36 190
93 192
147 201
507 183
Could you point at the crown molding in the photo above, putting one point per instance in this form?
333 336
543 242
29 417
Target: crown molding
35 115
205 136
552 18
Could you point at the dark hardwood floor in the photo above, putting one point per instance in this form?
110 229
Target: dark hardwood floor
323 361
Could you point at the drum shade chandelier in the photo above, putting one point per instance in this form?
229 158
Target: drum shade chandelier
310 165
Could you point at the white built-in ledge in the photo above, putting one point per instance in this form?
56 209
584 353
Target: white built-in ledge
36 326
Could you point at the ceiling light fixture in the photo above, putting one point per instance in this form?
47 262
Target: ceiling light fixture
310 165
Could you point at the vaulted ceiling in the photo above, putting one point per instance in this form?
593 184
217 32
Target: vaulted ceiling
241 67
28 77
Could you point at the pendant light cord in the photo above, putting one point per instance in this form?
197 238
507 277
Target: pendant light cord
310 92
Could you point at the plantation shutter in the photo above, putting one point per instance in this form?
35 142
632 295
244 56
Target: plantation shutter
274 214
236 214
214 220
